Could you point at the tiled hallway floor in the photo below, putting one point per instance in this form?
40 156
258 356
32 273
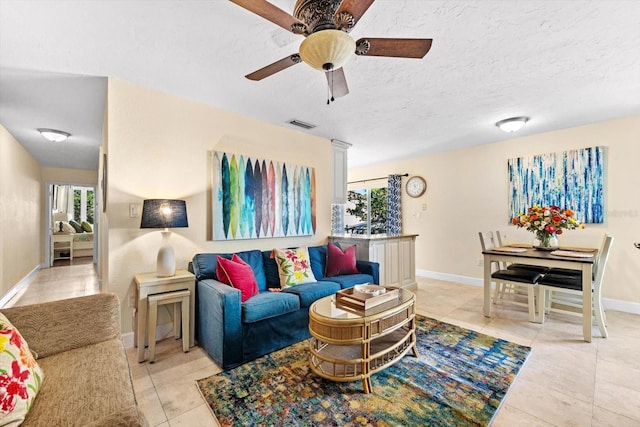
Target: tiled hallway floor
51 284
565 382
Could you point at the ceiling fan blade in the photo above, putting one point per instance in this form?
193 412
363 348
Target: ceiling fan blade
355 8
337 82
399 48
277 66
269 12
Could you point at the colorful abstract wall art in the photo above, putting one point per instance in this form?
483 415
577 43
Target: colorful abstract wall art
571 179
257 198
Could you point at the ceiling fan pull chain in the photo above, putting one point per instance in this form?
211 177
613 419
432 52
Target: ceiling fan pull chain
330 93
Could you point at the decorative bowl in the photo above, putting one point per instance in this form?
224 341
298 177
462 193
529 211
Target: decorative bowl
369 290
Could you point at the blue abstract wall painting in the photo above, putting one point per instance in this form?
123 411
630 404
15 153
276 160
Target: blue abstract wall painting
571 179
258 198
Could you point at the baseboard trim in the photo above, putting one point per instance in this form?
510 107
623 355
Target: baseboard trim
620 305
162 331
609 303
18 287
465 280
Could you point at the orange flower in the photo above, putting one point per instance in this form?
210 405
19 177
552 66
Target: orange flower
543 220
27 358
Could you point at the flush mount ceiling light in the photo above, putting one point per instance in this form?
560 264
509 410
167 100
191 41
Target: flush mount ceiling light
54 135
513 124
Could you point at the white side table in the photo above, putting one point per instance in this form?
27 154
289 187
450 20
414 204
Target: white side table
62 243
149 284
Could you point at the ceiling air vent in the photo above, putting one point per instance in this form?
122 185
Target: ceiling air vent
301 124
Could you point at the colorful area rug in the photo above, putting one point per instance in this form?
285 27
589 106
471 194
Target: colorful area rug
459 379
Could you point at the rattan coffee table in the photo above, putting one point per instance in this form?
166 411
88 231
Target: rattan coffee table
351 346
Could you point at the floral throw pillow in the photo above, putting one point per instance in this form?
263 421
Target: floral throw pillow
20 375
294 267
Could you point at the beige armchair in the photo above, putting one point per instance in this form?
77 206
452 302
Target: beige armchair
78 345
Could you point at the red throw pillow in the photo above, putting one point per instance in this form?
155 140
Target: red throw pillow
220 273
239 274
341 262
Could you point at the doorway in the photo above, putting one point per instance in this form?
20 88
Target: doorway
71 213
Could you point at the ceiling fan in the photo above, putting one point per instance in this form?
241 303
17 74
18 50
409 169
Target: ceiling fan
325 24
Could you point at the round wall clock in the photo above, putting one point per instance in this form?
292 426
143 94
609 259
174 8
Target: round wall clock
416 186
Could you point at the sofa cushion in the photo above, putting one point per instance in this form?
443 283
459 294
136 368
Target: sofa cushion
294 266
239 274
130 417
310 292
204 266
318 259
268 304
351 280
340 262
83 385
20 375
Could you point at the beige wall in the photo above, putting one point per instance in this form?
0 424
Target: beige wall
21 235
158 147
69 176
467 193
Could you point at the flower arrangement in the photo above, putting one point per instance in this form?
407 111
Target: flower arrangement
546 222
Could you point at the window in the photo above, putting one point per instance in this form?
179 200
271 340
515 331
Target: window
83 204
366 211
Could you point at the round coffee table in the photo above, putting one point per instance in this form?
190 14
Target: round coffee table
351 345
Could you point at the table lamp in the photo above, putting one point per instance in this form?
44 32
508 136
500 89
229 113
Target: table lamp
163 213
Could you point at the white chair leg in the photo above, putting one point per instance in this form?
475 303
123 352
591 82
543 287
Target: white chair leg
531 303
497 292
541 304
547 306
600 317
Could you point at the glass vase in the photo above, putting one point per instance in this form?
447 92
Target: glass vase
546 242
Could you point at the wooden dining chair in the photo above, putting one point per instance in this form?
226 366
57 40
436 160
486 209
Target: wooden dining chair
489 241
560 291
513 282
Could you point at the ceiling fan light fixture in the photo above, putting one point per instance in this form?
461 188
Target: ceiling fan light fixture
54 135
327 50
512 124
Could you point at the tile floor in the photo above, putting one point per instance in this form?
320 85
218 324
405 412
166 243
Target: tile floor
67 281
565 382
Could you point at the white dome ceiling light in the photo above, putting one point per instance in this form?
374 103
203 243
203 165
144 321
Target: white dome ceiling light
512 124
54 135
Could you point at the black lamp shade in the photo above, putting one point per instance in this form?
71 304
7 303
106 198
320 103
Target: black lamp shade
163 213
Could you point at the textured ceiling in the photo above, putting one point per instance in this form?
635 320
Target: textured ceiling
562 63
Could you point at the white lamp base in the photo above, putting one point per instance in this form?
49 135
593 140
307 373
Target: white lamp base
166 265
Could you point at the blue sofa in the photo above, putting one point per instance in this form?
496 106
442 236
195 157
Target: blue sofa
233 332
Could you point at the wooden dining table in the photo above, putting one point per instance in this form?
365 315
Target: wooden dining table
544 258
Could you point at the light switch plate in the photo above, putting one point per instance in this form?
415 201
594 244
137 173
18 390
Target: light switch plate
134 211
